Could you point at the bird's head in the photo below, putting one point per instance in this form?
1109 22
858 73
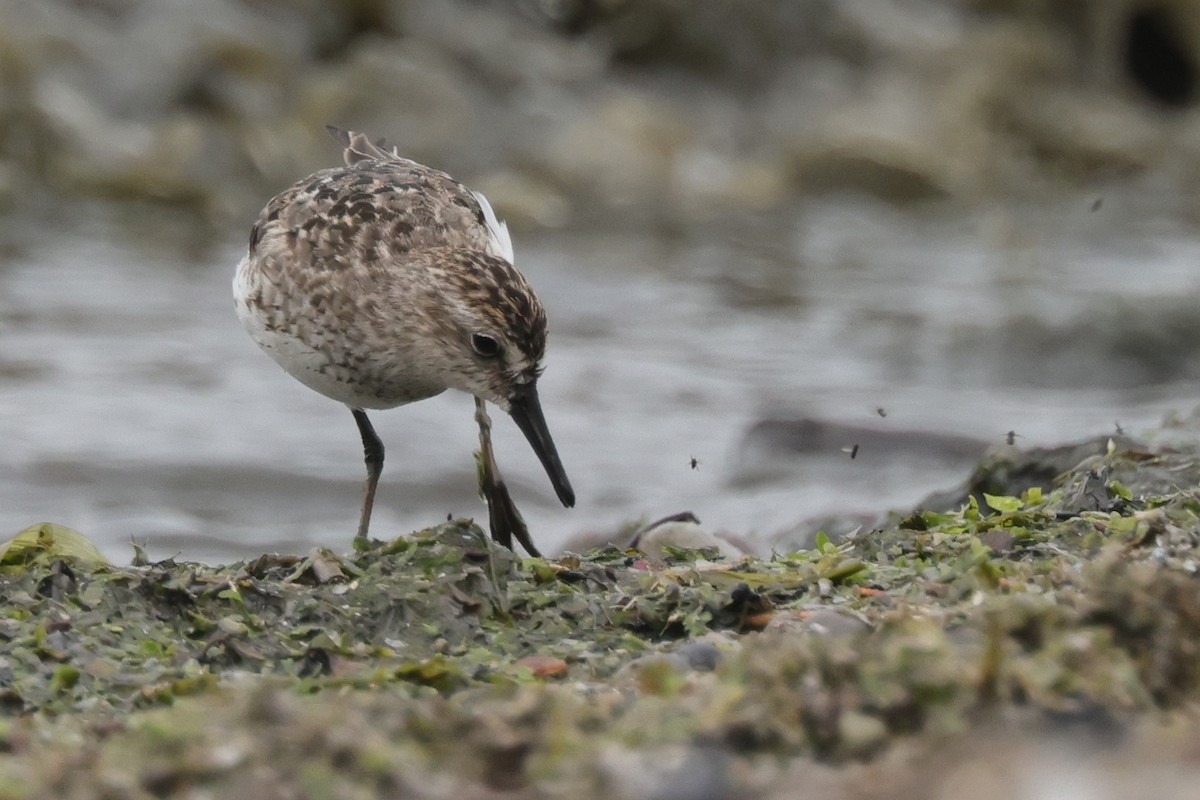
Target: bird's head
493 336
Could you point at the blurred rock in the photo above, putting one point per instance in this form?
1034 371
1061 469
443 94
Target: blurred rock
601 113
619 153
705 653
666 772
403 90
1010 471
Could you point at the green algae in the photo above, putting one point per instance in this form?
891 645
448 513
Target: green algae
442 659
47 538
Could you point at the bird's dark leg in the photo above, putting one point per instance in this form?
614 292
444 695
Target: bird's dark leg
504 519
373 455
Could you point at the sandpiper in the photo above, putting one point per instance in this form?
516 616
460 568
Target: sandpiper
383 282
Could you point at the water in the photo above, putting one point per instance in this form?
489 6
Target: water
133 406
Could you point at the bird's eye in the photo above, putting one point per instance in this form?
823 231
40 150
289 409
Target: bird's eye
485 345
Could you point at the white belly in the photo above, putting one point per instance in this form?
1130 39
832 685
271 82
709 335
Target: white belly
323 365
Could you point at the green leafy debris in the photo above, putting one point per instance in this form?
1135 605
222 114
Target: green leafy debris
443 652
48 540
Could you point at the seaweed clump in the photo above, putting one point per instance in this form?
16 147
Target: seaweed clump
443 662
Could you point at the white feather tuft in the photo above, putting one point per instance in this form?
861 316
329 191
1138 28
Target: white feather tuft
501 241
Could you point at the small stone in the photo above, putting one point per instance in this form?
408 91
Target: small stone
543 666
666 773
703 656
861 735
998 539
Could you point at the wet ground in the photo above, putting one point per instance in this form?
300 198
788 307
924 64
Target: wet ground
1033 644
132 405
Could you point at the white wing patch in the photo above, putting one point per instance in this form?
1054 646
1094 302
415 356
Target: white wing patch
501 241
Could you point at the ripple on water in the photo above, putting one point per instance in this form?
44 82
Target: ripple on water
132 404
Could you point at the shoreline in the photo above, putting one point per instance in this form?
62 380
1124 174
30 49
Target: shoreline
442 659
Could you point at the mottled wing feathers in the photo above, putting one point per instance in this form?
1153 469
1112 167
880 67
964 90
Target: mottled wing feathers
377 208
357 147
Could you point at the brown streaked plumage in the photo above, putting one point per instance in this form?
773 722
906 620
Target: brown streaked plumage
383 282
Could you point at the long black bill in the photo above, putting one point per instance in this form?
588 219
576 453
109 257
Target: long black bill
526 411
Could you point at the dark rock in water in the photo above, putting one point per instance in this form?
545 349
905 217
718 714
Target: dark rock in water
829 170
1010 471
770 446
813 437
1126 343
